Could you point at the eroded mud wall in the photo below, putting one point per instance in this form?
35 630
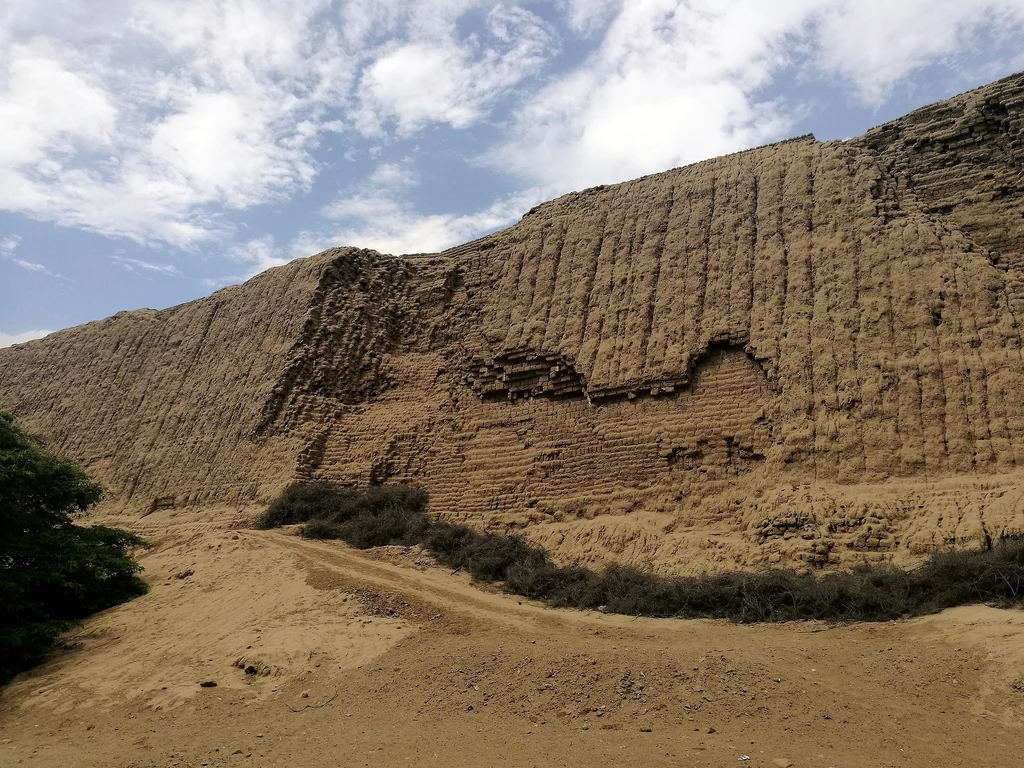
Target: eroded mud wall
794 353
807 353
160 406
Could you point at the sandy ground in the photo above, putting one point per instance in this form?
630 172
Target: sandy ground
325 656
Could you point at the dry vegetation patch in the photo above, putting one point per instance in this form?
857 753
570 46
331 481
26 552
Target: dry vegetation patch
388 515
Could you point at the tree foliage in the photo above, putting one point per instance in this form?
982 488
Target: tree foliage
53 572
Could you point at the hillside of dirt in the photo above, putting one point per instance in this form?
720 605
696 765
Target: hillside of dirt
806 354
323 655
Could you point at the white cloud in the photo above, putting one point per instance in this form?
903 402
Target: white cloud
669 83
674 82
9 339
255 256
417 84
9 244
140 266
394 175
149 119
587 16
258 254
369 22
223 151
155 116
851 41
31 266
47 109
446 80
379 215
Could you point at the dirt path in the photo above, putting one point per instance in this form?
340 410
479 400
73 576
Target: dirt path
398 662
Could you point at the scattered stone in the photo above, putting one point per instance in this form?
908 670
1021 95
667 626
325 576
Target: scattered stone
208 684
781 762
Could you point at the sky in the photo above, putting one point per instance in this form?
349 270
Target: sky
153 151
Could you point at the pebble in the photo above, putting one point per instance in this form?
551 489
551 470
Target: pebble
781 762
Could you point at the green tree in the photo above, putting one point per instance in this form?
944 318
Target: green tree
53 572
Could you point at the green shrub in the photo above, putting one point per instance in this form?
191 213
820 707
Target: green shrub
320 529
450 543
52 571
305 501
382 515
324 501
490 557
388 525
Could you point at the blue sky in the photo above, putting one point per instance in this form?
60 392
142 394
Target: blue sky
153 151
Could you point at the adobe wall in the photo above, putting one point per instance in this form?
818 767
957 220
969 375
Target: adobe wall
803 354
